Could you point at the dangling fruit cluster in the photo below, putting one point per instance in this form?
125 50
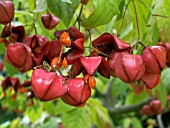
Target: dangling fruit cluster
109 56
153 108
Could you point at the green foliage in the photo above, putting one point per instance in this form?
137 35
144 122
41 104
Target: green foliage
119 87
102 14
167 8
41 5
132 98
62 9
10 69
98 114
77 118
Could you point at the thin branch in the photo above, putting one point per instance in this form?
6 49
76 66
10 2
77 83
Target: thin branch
79 16
124 15
137 21
109 87
160 123
99 52
117 112
151 10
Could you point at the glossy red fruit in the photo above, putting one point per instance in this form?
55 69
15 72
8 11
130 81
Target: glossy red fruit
77 37
129 68
49 21
20 56
155 105
91 63
167 47
113 60
40 47
17 35
154 58
47 85
7 12
77 68
1 66
73 54
54 49
147 110
78 92
104 68
151 80
104 43
120 44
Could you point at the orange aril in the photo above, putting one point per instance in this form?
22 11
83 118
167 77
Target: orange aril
92 82
65 63
56 64
65 39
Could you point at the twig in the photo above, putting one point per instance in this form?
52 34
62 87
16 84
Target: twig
108 99
124 15
99 52
151 10
78 17
117 112
137 21
160 123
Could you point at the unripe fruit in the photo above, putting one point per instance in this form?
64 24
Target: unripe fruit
49 21
7 12
47 85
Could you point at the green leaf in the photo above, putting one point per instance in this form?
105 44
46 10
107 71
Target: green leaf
51 123
2 48
167 7
10 69
136 123
165 75
62 107
161 94
63 10
49 107
119 87
103 13
142 13
34 112
98 114
77 118
41 5
133 99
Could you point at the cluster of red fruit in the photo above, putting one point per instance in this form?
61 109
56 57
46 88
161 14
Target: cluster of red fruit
110 56
153 108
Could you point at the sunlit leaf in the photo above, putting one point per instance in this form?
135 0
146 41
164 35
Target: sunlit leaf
102 14
63 10
41 5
